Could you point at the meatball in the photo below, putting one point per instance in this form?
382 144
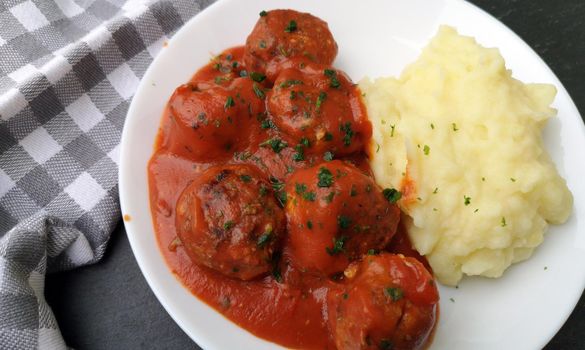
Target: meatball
388 302
320 105
335 214
212 123
229 221
283 34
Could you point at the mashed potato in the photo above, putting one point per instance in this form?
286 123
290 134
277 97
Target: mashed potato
462 139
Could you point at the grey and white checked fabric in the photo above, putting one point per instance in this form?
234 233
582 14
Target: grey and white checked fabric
68 69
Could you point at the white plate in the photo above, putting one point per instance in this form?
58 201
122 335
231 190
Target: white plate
522 310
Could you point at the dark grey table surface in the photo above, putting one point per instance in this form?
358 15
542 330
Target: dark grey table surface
110 306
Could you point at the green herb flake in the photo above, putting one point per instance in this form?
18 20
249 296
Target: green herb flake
332 75
257 77
345 296
264 239
291 27
320 99
466 200
512 179
436 190
346 128
394 293
310 225
263 13
289 83
454 126
338 244
243 73
343 221
293 95
392 195
373 252
432 126
325 177
329 198
503 222
263 190
267 124
328 136
328 156
300 188
229 102
228 225
258 91
353 191
309 196
426 150
276 144
246 178
305 142
277 185
392 128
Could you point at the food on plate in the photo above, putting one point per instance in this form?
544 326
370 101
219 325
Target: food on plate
387 302
212 118
265 206
297 107
462 139
228 220
281 37
335 214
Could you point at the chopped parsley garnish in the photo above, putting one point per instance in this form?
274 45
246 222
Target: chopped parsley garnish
320 99
282 197
229 102
353 191
291 27
263 13
503 222
228 225
436 190
394 293
392 128
343 221
277 185
300 188
346 128
305 142
328 156
267 124
325 177
277 275
432 126
293 95
262 44
512 179
338 244
310 225
243 73
258 91
329 198
257 77
246 178
332 74
466 200
454 126
289 83
345 295
328 136
309 196
276 144
299 156
373 252
264 239
426 150
392 195
263 190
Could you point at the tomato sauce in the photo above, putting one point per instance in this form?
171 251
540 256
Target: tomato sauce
289 305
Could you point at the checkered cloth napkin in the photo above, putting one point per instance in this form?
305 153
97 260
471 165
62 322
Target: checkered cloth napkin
68 69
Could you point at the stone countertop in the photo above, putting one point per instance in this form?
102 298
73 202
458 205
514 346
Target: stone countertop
110 306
